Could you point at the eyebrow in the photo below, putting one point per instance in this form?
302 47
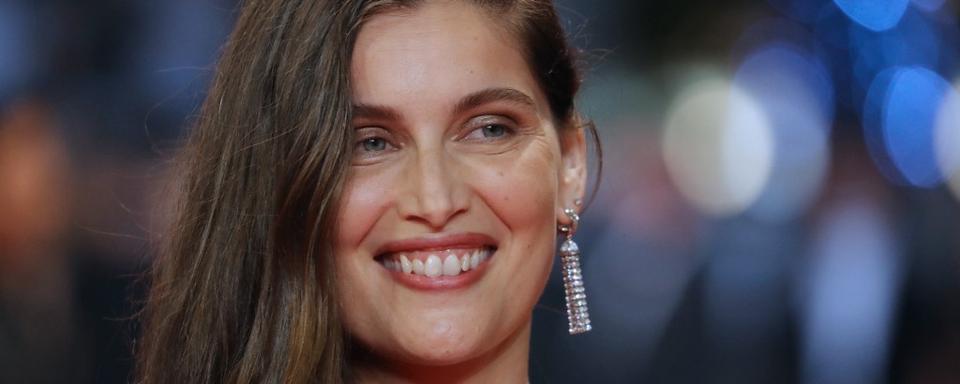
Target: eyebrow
490 95
473 100
376 112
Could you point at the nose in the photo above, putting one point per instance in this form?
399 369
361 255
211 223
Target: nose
436 192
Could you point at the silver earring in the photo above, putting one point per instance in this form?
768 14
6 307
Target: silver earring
576 295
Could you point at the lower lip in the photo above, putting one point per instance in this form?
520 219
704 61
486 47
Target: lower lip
424 283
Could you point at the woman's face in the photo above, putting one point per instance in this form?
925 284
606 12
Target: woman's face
448 223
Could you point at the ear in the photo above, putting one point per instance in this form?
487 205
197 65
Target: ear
573 171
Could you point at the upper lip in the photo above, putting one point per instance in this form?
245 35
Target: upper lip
438 242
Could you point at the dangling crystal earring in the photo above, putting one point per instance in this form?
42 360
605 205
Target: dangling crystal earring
576 295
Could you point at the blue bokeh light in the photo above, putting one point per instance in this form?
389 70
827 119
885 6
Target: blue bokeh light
914 42
179 48
796 92
899 117
15 57
876 15
928 5
872 124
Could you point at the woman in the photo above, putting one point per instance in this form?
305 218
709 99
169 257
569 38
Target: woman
372 193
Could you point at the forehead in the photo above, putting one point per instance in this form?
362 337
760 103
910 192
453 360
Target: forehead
438 50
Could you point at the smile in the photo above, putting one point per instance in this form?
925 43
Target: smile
438 261
433 264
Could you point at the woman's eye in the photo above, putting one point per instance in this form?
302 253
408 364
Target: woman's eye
487 129
494 130
374 144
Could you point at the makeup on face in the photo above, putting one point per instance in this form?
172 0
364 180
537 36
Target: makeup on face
448 220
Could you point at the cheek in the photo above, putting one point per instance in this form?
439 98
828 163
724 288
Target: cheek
523 195
363 202
522 191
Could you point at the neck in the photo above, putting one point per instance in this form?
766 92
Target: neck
505 363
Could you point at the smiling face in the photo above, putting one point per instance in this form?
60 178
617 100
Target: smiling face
448 221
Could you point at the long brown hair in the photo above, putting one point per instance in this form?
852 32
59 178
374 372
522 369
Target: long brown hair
242 287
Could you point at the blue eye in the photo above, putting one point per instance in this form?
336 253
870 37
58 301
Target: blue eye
490 129
374 144
494 130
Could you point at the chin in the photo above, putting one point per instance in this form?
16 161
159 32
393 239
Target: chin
444 342
443 355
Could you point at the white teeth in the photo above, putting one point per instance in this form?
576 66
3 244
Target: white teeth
405 264
433 266
445 263
451 266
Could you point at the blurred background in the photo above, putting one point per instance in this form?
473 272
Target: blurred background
780 200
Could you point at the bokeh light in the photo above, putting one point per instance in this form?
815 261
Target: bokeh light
947 137
795 92
928 5
15 57
900 114
174 63
849 294
876 15
717 146
913 42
